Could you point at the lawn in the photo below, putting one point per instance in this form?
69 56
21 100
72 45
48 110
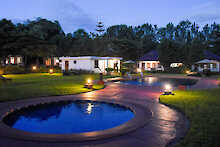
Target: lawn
203 110
23 86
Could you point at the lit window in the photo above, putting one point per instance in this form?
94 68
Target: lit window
6 62
153 65
18 60
56 61
12 60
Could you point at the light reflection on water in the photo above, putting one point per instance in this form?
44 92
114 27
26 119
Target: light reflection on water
155 81
89 108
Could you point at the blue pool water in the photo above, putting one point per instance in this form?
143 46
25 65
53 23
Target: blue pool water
155 81
69 117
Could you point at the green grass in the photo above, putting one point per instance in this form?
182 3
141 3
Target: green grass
203 110
24 86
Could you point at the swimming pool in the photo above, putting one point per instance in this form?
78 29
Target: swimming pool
67 117
159 81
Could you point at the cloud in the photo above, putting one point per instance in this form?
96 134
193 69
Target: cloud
203 18
208 12
70 16
73 17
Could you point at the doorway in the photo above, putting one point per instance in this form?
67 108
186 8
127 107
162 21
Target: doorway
143 66
66 65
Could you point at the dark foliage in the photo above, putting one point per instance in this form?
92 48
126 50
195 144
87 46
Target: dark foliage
184 42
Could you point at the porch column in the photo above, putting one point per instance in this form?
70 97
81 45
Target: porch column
193 67
211 67
218 67
119 65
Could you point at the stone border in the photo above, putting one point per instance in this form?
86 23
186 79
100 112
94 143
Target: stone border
141 118
183 132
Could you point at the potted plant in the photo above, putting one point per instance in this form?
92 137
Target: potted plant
109 70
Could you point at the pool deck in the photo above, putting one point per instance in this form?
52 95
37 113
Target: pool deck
165 126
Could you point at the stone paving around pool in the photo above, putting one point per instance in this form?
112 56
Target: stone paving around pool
165 126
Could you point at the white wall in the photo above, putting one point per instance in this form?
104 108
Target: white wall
89 64
151 65
80 64
212 69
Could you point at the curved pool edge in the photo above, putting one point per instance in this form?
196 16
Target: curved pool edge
137 122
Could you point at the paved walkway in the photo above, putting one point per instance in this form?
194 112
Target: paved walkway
165 125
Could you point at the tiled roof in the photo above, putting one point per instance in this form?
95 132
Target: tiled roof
150 56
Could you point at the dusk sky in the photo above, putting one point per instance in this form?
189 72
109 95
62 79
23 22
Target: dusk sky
75 14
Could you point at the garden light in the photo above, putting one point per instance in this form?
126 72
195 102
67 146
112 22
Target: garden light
168 90
187 72
89 81
34 67
51 71
88 84
168 87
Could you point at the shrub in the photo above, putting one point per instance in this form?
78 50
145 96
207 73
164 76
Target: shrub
14 69
76 72
195 74
123 71
45 69
42 69
207 72
57 69
181 69
1 70
109 69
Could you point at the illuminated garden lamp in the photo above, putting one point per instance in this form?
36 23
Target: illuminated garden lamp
34 68
51 70
187 72
168 90
88 84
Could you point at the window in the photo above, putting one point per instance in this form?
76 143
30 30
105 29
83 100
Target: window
148 65
18 60
143 65
96 63
12 60
6 61
208 66
74 61
153 65
214 65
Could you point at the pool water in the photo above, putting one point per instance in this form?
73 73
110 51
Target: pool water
69 117
155 81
